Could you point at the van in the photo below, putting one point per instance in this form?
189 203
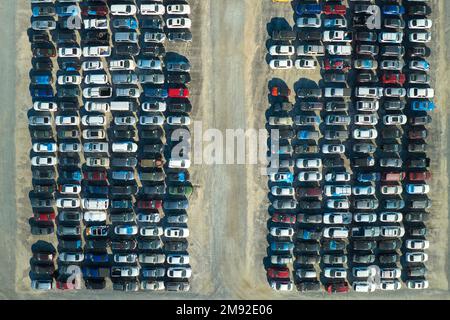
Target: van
123 106
126 37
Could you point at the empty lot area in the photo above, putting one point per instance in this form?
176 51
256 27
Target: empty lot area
229 208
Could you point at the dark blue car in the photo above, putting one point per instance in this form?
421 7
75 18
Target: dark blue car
42 92
156 92
98 258
393 10
308 9
368 177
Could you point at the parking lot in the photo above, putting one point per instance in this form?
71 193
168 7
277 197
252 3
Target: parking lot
227 258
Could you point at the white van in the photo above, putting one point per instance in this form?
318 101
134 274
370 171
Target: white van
96 78
123 106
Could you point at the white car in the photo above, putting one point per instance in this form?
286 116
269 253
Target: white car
363 134
175 258
365 217
417 244
92 65
391 217
152 9
97 120
45 106
69 79
311 176
155 106
365 120
281 285
179 272
335 273
426 93
69 52
68 203
282 50
417 284
151 231
43 161
309 163
128 230
178 120
417 188
333 148
309 22
69 147
157 120
306 63
335 233
363 190
175 232
179 163
45 147
153 217
184 23
364 272
337 218
392 231
391 190
70 189
338 177
416 257
124 147
281 64
122 64
123 9
70 257
95 147
364 286
125 257
420 37
390 273
281 231
96 78
96 51
97 106
95 204
67 120
420 24
95 216
124 120
282 191
342 204
390 285
178 9
390 120
395 92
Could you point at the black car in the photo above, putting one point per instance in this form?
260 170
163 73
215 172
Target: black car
394 105
362 161
416 217
338 77
360 21
68 36
127 49
365 77
44 64
305 286
153 49
159 189
307 246
69 161
128 162
178 78
310 205
179 176
101 37
124 245
394 23
95 284
179 106
123 133
123 190
96 245
69 244
366 36
419 271
419 163
44 188
389 245
393 204
363 258
284 35
388 258
391 147
337 106
42 134
130 285
286 133
43 174
69 105
311 105
393 51
179 36
42 229
369 49
419 10
391 133
151 23
419 51
176 246
43 269
364 245
68 92
122 217
70 64
310 35
153 148
417 231
155 133
39 37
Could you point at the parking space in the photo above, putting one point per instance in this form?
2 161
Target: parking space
121 184
356 204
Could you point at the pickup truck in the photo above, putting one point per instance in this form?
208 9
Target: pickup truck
337 36
124 271
97 92
97 51
92 272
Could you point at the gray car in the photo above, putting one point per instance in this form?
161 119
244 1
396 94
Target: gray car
180 66
153 272
122 217
176 205
69 230
124 78
155 78
69 216
181 218
150 245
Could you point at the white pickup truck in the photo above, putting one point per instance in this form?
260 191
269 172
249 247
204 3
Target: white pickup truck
97 92
97 51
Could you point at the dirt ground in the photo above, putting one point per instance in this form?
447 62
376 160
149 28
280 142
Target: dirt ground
229 208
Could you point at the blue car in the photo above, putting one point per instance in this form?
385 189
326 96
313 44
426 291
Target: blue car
71 175
393 10
68 11
128 23
42 92
423 106
99 258
368 177
122 204
308 9
42 79
156 92
98 190
281 246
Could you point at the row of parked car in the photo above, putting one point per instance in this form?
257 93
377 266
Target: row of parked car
352 203
113 175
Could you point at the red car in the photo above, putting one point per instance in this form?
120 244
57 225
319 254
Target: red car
336 64
393 78
278 273
44 216
335 9
178 93
149 204
418 134
94 10
338 287
95 175
280 92
63 285
284 218
419 176
44 256
309 192
393 176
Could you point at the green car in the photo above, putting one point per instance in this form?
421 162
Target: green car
180 190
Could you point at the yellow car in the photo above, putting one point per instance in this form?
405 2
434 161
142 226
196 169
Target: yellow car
281 0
